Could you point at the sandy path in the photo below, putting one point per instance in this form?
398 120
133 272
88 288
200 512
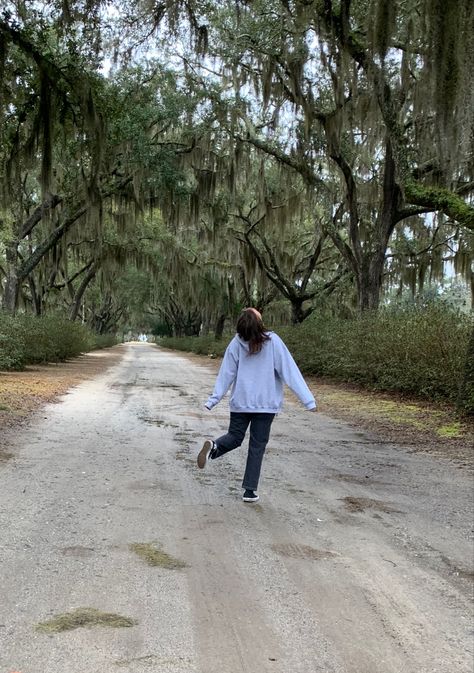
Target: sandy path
358 559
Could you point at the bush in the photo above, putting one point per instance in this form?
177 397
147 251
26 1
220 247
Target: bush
199 345
104 341
26 339
12 343
416 350
413 350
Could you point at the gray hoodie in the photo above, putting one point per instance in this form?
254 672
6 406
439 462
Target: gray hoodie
257 380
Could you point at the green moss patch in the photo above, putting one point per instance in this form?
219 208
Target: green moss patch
452 430
153 556
84 617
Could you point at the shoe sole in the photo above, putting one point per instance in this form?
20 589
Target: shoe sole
203 454
251 499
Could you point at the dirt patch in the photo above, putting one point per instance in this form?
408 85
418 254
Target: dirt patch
84 617
354 479
78 551
148 552
22 393
463 573
302 551
5 455
293 490
361 504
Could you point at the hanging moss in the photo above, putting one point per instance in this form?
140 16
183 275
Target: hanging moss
384 13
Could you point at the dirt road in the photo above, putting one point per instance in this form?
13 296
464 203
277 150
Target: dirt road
358 558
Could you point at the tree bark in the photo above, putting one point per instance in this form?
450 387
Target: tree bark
298 315
76 305
35 297
219 329
12 285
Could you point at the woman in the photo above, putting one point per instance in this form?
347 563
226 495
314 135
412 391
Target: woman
256 364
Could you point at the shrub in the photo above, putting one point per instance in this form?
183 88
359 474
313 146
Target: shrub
199 345
417 350
104 340
26 339
413 350
12 343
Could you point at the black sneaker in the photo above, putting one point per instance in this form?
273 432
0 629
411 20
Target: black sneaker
250 496
203 456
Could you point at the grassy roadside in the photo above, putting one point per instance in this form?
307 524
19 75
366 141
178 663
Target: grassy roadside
22 393
436 428
432 427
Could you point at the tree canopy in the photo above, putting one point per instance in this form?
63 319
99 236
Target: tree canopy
169 162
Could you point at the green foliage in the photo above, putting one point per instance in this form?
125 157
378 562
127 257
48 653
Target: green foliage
26 339
199 345
418 350
414 350
104 341
160 329
12 343
466 395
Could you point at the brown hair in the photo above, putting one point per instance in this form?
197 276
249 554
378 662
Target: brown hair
250 328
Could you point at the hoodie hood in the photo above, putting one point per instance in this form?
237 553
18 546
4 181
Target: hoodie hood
245 344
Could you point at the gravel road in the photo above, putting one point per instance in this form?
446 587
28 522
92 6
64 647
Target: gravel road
357 559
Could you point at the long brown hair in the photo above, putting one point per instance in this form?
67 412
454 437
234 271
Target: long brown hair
250 328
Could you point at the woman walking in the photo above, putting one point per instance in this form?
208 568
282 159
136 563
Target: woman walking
256 364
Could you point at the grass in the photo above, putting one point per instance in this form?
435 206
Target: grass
84 617
149 553
452 430
423 417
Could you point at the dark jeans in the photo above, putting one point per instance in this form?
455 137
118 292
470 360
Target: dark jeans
259 433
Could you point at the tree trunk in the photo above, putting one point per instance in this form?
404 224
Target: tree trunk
35 297
369 282
296 311
76 305
219 329
12 285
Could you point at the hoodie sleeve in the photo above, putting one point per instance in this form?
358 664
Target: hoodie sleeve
288 371
226 376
